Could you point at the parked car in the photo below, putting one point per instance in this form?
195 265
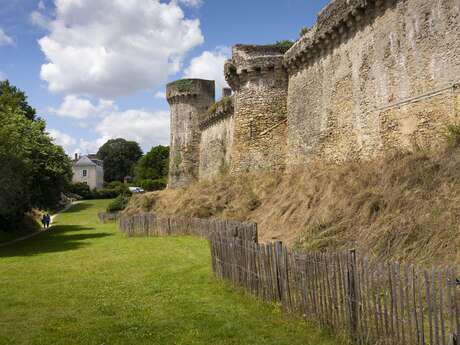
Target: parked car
136 190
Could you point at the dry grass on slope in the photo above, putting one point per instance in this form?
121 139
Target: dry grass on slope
404 206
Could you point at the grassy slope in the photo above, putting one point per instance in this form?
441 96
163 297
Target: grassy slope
84 283
402 207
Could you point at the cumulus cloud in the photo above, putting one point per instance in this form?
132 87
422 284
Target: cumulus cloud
63 139
39 19
209 65
147 128
5 39
110 48
88 147
2 76
191 3
81 108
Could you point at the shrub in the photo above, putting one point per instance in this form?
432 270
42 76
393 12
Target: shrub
119 204
81 189
453 134
184 85
153 185
303 31
284 46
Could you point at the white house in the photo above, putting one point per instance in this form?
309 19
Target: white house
89 170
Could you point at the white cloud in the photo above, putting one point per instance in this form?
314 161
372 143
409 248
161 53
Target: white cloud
88 147
39 19
109 48
191 3
60 138
160 95
80 108
2 76
147 128
209 65
5 39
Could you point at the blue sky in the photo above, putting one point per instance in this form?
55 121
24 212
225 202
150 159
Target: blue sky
97 69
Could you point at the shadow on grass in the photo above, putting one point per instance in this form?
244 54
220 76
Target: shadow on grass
81 206
60 238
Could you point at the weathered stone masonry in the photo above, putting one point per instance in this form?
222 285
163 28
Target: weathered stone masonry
373 75
260 82
217 138
189 99
369 76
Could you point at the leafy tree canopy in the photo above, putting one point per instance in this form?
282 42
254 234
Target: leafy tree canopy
119 157
34 170
154 165
48 168
14 99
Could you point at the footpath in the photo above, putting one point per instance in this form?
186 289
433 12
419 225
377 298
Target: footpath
26 237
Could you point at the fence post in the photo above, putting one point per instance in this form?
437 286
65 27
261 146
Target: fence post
352 294
278 262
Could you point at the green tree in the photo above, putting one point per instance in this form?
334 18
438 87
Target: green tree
11 98
154 165
119 157
34 171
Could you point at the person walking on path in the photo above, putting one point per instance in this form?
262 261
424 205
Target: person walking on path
47 220
44 221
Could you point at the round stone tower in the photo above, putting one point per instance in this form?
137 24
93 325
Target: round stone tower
189 99
260 84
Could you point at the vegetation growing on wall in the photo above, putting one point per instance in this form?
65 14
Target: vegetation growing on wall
183 85
225 104
284 46
303 31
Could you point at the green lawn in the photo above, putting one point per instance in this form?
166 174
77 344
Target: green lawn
84 283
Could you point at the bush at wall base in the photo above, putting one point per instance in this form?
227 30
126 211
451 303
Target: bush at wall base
119 204
153 185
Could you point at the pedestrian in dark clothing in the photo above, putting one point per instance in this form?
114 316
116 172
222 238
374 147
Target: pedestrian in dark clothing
44 221
48 220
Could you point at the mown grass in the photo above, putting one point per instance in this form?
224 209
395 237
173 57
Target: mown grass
84 283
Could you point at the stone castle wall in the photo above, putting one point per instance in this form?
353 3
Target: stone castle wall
370 76
260 83
189 99
373 75
216 140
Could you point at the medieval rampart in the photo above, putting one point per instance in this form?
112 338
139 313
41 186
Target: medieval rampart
260 83
189 99
216 139
373 75
369 76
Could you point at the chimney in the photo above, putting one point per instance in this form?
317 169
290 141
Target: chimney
226 92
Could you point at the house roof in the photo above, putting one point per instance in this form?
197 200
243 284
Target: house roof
84 162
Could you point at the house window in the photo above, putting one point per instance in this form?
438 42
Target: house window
84 173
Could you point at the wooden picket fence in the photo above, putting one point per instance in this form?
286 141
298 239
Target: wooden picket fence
368 302
152 225
108 217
